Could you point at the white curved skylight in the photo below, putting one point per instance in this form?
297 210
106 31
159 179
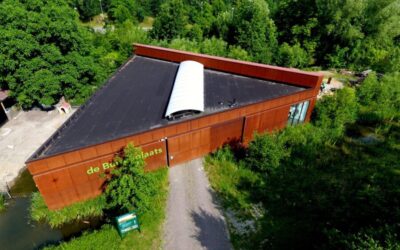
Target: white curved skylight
188 92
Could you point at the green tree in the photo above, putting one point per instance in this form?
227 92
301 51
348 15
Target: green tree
292 56
214 46
45 54
88 8
337 33
171 21
123 10
254 30
130 187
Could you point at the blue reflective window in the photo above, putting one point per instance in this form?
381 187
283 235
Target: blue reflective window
297 113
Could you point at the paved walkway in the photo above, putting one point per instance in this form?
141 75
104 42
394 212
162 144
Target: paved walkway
21 136
194 220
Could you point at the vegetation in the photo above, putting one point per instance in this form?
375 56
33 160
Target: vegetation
151 225
2 202
77 211
130 188
321 185
47 53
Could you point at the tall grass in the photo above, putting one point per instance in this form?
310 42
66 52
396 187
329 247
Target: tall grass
230 179
2 202
77 211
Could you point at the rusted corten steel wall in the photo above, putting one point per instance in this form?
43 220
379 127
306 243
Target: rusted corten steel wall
76 175
262 71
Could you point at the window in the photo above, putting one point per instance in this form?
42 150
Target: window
297 113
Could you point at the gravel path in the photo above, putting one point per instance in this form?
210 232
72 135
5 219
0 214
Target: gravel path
194 220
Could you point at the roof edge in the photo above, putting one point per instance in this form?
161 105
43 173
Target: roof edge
263 71
37 155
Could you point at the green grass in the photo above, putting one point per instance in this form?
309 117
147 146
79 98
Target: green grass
2 202
233 184
226 177
77 211
151 223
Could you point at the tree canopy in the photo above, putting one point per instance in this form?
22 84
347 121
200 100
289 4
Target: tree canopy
45 54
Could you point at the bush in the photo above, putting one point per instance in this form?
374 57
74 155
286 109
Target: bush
380 98
130 188
265 153
74 212
336 111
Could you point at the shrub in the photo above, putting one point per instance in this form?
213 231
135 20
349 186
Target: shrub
130 187
265 153
380 98
336 111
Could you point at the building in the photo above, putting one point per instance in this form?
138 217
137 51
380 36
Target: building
146 103
3 111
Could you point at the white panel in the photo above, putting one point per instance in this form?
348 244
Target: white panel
188 90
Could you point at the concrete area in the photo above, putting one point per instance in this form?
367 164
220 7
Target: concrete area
194 219
21 136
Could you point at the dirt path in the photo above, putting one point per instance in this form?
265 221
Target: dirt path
194 220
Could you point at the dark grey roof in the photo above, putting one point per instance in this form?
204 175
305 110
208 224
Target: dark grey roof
135 99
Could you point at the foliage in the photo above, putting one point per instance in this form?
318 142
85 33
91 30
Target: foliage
292 56
338 34
77 211
336 111
253 30
2 202
322 189
124 10
381 97
171 21
226 176
265 153
151 225
89 8
45 53
130 187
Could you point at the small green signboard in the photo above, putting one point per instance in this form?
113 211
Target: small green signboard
127 222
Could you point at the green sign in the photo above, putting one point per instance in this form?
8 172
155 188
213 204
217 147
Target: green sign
127 222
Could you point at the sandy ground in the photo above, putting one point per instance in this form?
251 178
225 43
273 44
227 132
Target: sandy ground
334 84
20 137
194 220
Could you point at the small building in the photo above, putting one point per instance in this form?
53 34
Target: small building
176 106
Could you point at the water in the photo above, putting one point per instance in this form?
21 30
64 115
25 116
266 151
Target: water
18 231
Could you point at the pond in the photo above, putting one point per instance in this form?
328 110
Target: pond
18 231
